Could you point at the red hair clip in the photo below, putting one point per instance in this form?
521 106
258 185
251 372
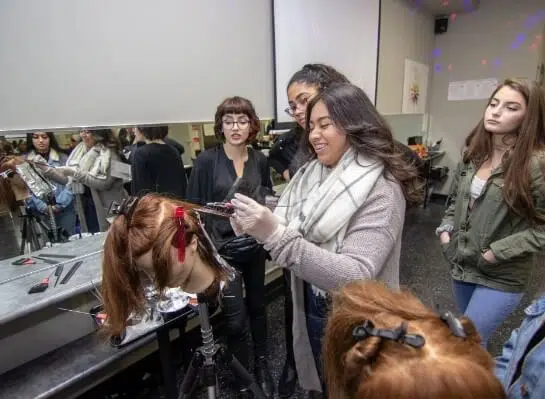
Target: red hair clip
179 237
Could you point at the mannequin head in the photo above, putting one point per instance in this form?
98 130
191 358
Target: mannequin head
159 240
12 187
446 366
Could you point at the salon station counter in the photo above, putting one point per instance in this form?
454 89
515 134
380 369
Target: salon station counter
49 342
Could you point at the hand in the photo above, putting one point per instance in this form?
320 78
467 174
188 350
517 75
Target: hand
489 256
42 166
56 209
66 171
444 237
286 175
253 219
235 226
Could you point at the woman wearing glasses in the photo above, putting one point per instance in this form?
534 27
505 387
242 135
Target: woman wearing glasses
217 173
286 157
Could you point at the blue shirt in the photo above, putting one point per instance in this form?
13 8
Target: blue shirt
521 366
63 196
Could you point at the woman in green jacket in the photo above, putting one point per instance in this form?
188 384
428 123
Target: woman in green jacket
495 222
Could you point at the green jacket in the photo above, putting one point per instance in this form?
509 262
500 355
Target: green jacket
490 224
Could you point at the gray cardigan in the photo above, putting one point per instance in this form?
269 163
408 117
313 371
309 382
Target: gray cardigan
103 192
370 251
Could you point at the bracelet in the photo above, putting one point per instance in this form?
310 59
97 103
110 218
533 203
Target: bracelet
444 228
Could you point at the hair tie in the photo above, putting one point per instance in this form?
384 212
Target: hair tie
179 238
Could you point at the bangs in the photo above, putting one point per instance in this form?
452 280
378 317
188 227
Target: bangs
237 106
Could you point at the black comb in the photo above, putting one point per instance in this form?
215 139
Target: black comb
223 209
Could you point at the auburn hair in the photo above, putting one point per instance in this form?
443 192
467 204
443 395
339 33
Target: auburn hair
7 195
529 141
446 367
151 226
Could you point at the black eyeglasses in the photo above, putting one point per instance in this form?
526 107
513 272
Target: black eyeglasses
231 124
302 103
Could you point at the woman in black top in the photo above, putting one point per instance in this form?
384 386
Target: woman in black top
157 167
217 174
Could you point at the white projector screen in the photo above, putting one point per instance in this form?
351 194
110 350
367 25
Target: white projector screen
75 63
341 33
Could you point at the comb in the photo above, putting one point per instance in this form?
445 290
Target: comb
223 209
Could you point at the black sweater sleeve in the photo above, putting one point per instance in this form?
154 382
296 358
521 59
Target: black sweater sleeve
277 161
265 173
198 191
142 178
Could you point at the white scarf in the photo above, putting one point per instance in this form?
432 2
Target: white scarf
319 202
95 161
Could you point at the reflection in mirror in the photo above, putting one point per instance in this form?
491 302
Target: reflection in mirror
52 282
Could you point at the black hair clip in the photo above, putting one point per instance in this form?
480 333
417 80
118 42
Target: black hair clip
126 208
399 334
454 324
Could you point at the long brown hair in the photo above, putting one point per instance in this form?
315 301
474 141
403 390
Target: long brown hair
148 228
446 367
368 133
7 195
530 139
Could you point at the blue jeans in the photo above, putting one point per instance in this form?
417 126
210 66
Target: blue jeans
316 308
486 307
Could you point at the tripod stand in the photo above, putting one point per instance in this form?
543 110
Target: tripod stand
204 362
33 226
31 230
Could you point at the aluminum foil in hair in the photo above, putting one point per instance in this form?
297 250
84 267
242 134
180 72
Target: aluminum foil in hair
35 181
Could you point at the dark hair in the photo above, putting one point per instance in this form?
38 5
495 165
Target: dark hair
530 139
320 75
236 105
106 137
368 133
124 137
53 143
154 132
446 366
6 148
7 196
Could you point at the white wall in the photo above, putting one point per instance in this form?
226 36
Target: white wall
404 33
487 34
67 63
342 33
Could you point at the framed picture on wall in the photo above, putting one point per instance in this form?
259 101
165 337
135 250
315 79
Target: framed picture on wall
415 87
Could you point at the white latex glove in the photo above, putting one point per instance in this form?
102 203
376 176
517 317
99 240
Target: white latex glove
235 226
253 218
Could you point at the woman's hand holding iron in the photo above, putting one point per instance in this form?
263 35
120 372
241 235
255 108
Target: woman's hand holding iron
253 218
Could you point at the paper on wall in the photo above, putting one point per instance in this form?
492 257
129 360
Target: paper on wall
471 89
208 129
